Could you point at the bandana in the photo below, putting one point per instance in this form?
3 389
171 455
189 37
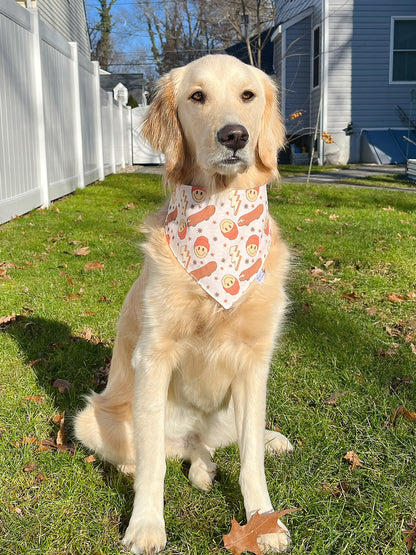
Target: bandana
221 241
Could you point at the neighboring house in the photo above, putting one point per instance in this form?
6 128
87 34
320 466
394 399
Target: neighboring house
349 65
134 82
240 51
67 17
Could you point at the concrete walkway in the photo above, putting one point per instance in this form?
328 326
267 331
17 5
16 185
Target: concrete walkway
332 177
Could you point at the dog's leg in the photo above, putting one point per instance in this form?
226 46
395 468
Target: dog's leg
249 396
153 363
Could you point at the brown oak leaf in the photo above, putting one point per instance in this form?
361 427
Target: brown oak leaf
82 251
90 266
410 539
334 397
62 385
353 459
244 538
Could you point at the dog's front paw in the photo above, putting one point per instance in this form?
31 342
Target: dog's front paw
145 536
275 543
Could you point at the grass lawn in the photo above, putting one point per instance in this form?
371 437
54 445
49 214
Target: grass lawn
346 363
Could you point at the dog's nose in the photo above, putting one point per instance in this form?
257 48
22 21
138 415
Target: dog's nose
233 137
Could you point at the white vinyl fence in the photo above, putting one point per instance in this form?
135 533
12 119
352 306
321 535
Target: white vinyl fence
58 129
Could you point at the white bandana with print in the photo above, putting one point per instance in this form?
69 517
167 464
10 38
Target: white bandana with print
221 241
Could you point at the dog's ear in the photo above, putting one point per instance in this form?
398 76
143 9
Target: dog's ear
272 133
161 126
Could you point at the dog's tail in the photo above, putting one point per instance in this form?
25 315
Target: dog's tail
106 429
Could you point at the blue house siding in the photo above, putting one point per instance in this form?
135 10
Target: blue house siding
298 76
374 99
355 72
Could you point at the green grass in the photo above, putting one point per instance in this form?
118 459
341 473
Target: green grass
354 242
396 181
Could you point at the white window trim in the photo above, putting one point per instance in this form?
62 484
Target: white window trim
393 19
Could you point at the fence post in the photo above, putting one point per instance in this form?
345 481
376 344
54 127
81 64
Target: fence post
40 118
130 135
112 145
79 155
120 120
98 125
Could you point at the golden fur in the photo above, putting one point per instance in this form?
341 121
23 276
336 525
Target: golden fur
188 376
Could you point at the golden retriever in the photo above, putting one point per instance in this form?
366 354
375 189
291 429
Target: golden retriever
189 375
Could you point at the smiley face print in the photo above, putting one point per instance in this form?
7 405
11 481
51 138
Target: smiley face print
201 247
252 194
198 194
231 284
229 229
252 245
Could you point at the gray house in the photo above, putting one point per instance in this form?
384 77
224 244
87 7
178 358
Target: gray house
67 17
350 67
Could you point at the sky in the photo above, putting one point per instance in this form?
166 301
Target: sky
123 11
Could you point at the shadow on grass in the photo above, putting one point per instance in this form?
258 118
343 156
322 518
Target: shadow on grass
54 352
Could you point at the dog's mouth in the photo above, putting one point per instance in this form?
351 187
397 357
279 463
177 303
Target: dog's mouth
232 160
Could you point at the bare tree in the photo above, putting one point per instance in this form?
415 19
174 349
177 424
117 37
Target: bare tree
247 21
100 34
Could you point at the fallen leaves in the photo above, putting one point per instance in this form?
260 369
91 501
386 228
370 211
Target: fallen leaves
397 413
61 385
410 539
82 251
334 397
91 266
353 460
244 538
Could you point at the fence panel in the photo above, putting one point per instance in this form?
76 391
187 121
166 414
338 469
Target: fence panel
58 107
88 119
20 187
58 130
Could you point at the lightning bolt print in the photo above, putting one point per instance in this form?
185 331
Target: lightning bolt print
235 201
184 201
186 257
235 256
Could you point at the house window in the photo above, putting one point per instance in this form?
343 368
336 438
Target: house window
403 50
316 51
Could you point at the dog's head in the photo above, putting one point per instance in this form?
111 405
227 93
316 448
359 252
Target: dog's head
215 117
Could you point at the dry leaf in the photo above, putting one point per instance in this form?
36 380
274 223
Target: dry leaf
350 296
396 298
410 539
89 266
319 249
353 460
60 438
413 348
372 310
90 459
5 320
62 385
82 251
35 398
244 538
334 397
29 440
30 468
397 382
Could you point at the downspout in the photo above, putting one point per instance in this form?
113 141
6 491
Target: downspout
324 73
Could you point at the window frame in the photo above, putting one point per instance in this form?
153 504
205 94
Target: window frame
316 59
395 18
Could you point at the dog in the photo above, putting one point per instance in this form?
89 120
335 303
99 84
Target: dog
198 328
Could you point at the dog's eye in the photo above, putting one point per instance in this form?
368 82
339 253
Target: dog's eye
247 95
198 96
